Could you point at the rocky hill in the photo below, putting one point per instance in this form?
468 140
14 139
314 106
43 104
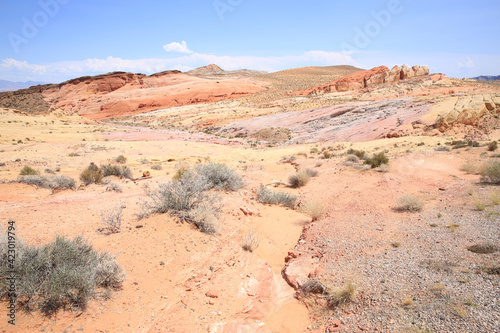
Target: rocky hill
121 94
367 78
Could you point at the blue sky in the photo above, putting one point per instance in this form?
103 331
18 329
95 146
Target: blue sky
55 40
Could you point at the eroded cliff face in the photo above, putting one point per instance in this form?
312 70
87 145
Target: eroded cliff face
368 78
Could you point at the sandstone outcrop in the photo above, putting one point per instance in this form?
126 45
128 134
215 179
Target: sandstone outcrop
367 78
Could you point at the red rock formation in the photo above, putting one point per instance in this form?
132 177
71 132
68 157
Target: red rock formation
364 79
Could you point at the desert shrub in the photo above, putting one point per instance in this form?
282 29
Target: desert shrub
220 176
483 248
156 167
113 219
377 160
300 179
144 161
492 146
49 171
251 242
204 218
92 174
116 170
28 171
358 153
469 168
60 275
56 183
490 172
267 196
315 209
61 183
327 155
120 159
341 295
409 203
352 158
180 196
39 181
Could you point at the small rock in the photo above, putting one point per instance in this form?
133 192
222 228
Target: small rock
212 293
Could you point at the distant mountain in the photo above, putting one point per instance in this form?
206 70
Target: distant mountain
11 86
487 78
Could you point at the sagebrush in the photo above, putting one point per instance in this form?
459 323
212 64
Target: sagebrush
64 274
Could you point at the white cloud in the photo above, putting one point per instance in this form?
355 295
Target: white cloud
468 64
57 72
14 70
177 47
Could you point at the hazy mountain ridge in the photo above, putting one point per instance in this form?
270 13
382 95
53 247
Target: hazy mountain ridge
11 85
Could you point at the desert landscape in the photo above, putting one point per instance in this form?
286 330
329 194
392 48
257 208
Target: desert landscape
315 199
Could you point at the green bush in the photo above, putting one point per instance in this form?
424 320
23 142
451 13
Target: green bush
492 146
92 174
377 160
220 176
63 274
267 196
28 171
490 172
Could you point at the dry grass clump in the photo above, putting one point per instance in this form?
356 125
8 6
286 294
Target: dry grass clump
342 295
220 176
267 196
300 179
495 198
490 172
483 248
180 170
92 174
156 167
64 274
120 159
478 204
204 218
409 203
28 171
251 242
315 209
311 172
